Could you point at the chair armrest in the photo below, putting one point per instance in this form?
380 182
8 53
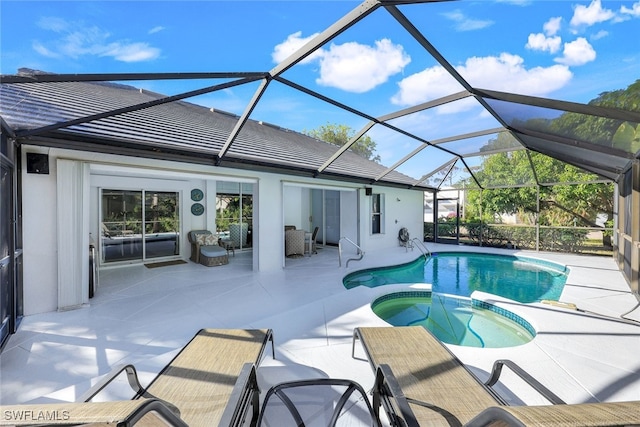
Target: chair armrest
526 377
494 416
132 378
387 392
245 392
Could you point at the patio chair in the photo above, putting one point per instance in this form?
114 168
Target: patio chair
321 402
420 382
212 380
582 414
311 238
207 249
294 243
124 413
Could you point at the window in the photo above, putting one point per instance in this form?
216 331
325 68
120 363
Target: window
377 213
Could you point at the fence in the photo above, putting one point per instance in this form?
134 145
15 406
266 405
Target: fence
584 240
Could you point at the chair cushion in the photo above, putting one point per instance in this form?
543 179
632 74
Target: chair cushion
207 239
212 251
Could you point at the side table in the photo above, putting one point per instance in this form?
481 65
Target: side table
228 245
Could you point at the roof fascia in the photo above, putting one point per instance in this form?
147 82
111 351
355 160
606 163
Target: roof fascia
61 139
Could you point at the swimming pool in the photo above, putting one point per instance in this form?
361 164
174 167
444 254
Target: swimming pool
455 320
518 278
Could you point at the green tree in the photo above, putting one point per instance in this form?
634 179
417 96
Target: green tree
341 134
560 204
601 130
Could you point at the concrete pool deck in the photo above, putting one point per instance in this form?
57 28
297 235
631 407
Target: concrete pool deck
144 316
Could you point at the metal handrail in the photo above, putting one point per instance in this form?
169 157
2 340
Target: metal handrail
423 248
360 251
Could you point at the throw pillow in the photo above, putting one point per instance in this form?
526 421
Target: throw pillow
207 239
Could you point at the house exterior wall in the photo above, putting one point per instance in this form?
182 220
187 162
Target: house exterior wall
277 200
402 208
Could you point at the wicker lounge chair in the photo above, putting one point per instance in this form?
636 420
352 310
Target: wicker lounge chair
420 382
208 254
211 382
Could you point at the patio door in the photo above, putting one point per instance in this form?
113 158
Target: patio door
138 225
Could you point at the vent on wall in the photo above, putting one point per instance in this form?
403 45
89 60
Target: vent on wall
368 191
38 163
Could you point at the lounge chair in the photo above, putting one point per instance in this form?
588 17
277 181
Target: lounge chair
211 381
420 382
141 413
582 415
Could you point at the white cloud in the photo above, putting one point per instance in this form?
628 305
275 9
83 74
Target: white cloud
38 47
77 40
505 73
53 23
290 45
634 11
599 35
356 67
543 43
156 29
517 2
552 26
464 23
590 15
577 52
132 52
431 83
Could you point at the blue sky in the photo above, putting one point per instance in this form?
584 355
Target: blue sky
564 49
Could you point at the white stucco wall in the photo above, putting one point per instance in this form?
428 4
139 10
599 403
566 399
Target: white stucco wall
402 208
40 250
277 200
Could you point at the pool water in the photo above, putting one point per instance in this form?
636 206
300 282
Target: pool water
453 320
521 279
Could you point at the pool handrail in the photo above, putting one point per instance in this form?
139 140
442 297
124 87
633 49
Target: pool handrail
358 248
423 248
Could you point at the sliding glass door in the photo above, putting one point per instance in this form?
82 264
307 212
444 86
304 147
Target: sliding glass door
139 225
